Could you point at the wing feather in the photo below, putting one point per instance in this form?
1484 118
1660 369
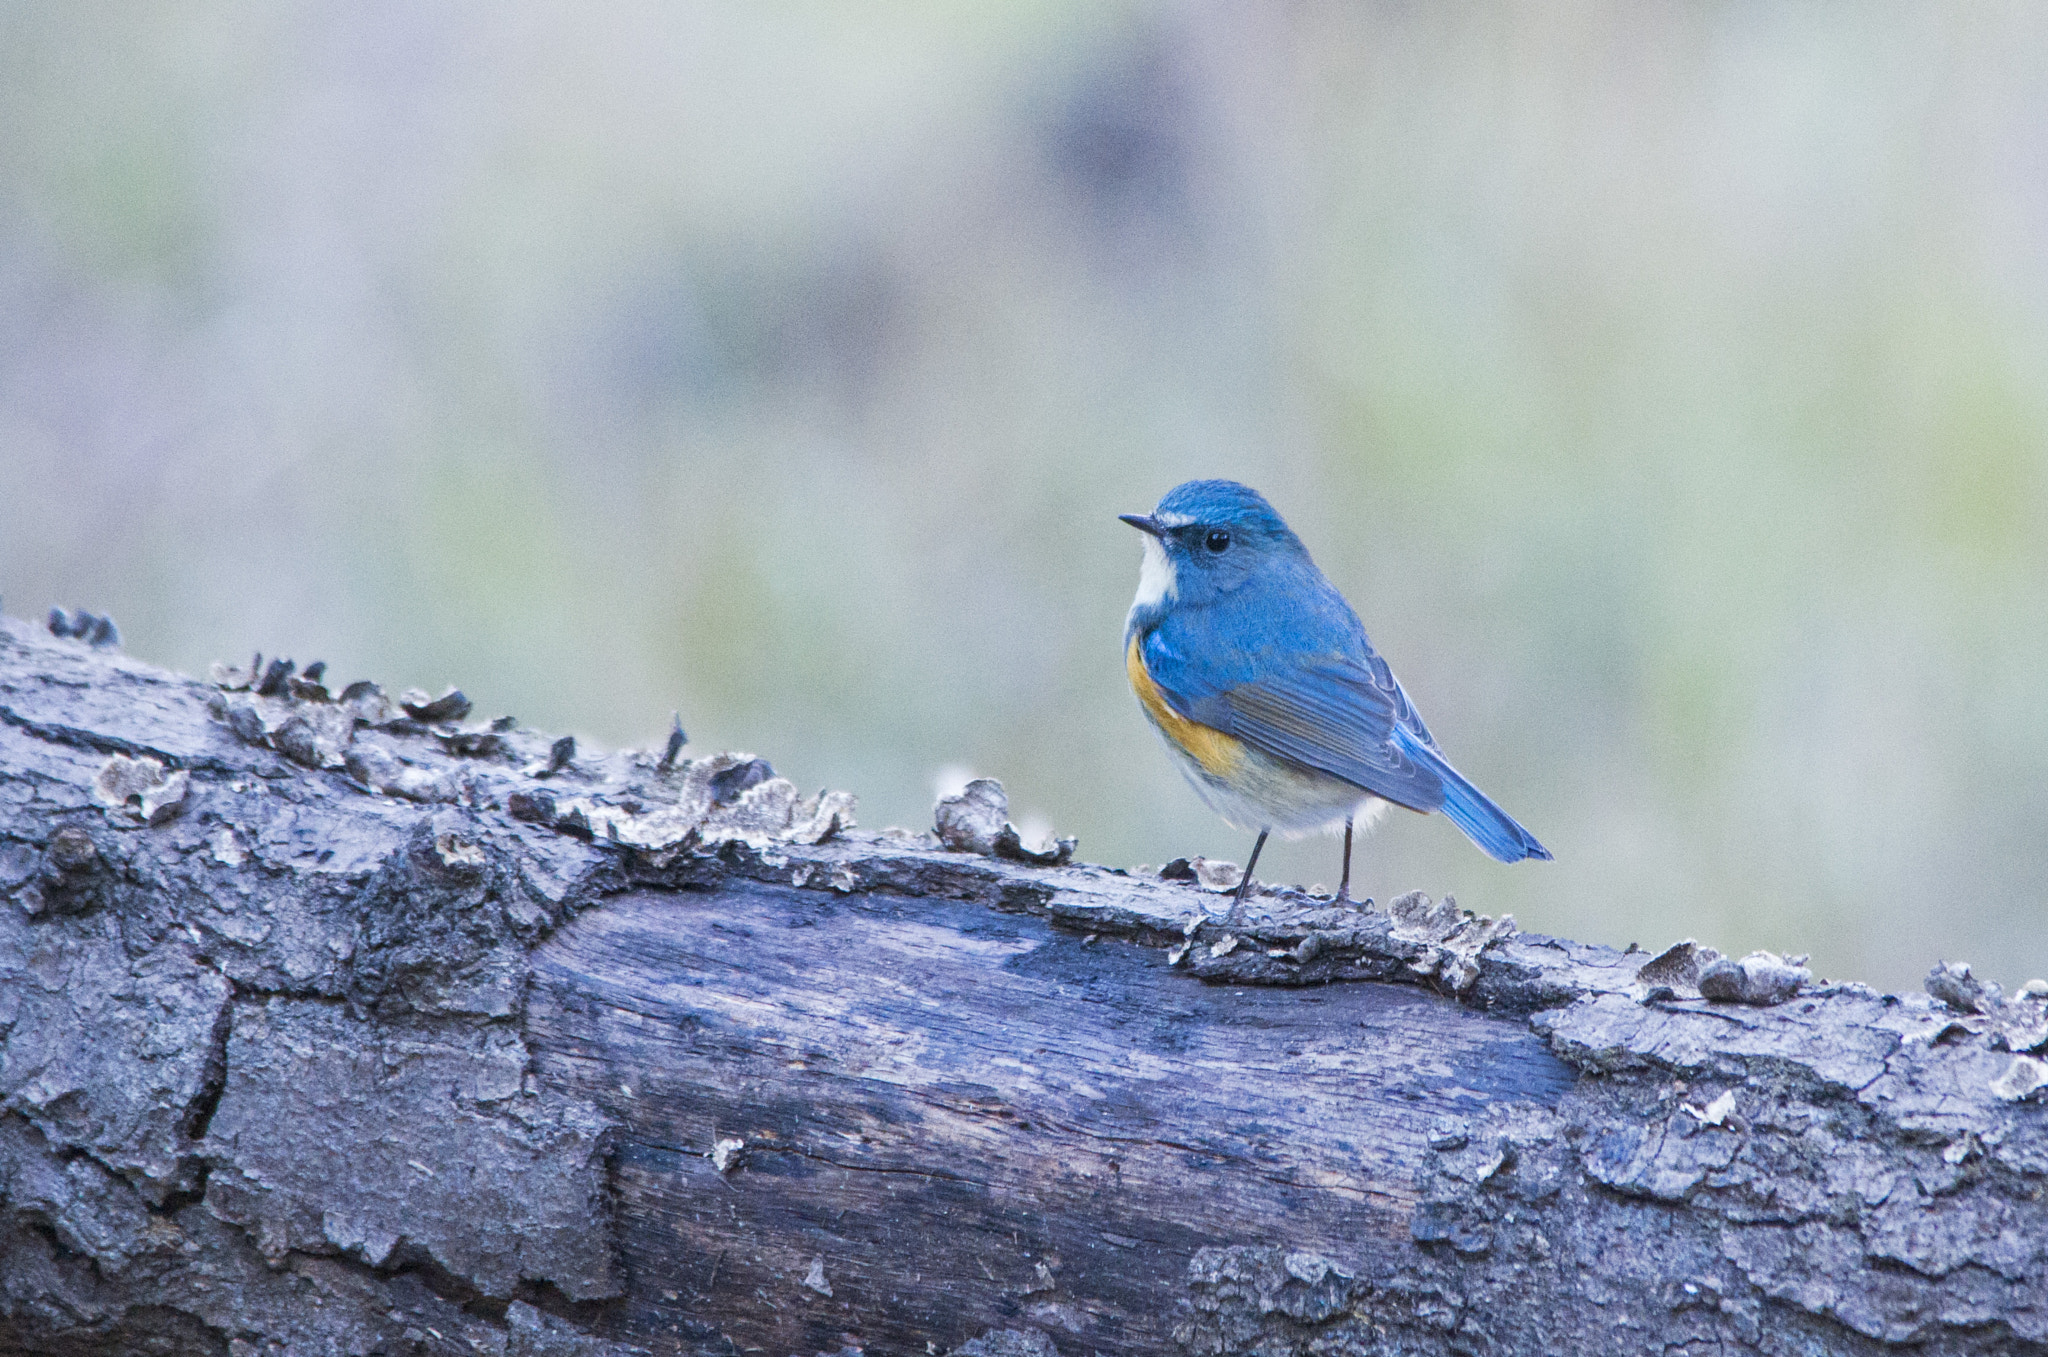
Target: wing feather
1334 717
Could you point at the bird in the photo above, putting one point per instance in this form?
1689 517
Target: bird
1262 683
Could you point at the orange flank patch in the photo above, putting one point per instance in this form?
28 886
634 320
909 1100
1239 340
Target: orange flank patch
1220 755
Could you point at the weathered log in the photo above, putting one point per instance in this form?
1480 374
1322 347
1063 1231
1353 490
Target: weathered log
329 1024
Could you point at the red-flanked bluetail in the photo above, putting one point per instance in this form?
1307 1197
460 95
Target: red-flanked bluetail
1260 678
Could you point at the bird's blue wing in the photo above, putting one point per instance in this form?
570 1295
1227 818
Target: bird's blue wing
1338 717
1347 717
1334 714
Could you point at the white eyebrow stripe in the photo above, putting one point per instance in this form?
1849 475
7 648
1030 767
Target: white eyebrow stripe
1172 520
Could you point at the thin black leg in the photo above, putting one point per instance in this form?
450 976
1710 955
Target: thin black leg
1244 887
1344 887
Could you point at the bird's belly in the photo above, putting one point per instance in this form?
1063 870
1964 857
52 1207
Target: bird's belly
1264 792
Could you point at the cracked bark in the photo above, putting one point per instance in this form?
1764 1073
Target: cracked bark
387 1032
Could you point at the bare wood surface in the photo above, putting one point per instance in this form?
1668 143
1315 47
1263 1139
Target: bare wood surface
326 1026
983 1117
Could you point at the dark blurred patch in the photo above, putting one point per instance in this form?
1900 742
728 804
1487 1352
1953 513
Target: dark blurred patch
1123 142
654 348
836 322
735 324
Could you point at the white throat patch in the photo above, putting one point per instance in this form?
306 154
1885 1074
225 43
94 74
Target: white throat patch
1156 582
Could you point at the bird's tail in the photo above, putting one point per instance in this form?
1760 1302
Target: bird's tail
1486 824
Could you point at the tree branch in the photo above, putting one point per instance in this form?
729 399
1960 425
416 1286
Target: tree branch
334 1023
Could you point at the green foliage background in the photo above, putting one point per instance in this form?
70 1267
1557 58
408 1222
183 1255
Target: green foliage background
1666 385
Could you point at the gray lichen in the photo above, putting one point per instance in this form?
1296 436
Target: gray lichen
977 821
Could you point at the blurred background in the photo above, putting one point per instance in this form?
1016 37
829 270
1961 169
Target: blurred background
1667 386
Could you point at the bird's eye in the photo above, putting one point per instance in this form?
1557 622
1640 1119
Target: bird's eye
1218 540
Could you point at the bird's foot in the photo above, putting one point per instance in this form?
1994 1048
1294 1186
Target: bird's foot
1235 918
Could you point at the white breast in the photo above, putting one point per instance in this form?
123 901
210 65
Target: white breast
1155 575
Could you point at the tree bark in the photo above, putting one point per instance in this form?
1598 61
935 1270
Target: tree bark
334 1024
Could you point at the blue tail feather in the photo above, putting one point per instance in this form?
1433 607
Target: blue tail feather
1486 824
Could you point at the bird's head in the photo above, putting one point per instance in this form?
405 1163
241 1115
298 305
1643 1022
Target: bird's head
1207 538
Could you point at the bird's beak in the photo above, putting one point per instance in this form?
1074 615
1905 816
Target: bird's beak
1144 523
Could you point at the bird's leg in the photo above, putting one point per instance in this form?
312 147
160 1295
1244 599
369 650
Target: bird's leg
1344 886
1244 887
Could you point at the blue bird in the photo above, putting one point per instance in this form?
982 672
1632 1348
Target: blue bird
1260 679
